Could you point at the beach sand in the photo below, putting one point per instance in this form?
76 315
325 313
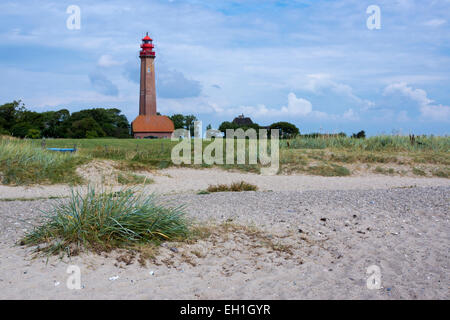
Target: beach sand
316 238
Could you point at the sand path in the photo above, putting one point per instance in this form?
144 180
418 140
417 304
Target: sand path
191 180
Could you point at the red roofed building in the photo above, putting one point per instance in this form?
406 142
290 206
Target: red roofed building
148 124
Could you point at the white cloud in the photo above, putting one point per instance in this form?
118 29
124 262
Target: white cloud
417 95
426 106
403 116
297 106
436 112
102 84
350 115
188 105
316 83
435 22
107 61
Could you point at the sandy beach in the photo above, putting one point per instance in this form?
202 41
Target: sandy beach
171 181
316 238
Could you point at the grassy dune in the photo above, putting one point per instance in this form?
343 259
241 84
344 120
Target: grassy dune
429 156
25 162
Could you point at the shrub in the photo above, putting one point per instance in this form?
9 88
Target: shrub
287 130
359 135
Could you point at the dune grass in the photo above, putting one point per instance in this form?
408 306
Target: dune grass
128 178
375 143
25 162
22 162
233 187
329 170
313 155
102 221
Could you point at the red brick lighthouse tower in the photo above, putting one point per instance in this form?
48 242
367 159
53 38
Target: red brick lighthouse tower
148 123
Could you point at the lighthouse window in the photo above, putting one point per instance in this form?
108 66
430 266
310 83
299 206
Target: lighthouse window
148 70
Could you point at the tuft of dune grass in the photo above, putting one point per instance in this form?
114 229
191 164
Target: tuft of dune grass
329 170
101 221
234 187
128 178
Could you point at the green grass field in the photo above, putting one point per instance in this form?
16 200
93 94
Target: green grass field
25 162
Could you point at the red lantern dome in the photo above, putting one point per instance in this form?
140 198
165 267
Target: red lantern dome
147 47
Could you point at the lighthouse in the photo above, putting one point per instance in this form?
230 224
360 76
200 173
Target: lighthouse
148 123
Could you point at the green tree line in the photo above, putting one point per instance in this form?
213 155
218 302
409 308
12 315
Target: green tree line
17 121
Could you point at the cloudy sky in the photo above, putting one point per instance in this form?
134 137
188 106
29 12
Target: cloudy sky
314 63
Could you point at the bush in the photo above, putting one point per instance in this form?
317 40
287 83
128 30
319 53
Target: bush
287 130
224 126
359 135
102 221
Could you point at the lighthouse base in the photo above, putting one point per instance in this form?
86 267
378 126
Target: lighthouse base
152 126
151 135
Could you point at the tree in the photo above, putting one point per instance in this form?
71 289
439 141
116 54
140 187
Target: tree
227 125
359 135
15 119
111 122
33 134
86 128
9 114
21 129
287 130
208 127
234 126
184 122
189 123
55 123
178 121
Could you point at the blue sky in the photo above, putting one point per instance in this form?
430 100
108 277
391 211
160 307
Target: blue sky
312 63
